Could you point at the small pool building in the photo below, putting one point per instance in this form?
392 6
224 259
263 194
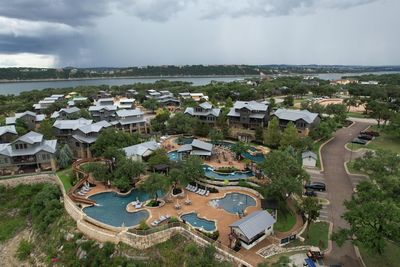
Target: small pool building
197 148
252 229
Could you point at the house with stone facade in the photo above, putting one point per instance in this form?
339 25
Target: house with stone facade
8 133
205 112
304 120
31 119
248 115
28 152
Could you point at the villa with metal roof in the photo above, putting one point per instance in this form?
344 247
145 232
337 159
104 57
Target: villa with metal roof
204 112
252 229
66 113
196 148
103 113
30 151
8 133
131 120
84 136
30 118
248 115
141 151
64 128
46 102
195 96
75 100
164 97
304 120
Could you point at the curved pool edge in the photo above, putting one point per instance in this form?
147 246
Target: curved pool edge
233 192
204 218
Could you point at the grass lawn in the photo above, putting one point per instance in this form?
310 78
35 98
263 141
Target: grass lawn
317 236
286 220
390 258
384 141
66 178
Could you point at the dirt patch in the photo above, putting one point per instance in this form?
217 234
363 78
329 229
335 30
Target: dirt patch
325 102
9 249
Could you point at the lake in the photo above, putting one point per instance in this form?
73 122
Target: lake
18 87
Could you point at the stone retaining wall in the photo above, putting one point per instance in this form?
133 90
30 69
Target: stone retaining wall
29 179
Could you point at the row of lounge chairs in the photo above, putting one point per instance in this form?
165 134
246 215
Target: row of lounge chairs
84 189
194 189
162 219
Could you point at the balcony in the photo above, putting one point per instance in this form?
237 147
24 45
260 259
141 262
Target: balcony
24 160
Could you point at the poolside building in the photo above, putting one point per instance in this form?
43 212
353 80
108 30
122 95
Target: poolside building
205 112
28 152
304 120
196 148
8 133
141 151
252 229
30 118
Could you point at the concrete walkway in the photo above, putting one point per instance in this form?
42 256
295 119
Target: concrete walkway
340 187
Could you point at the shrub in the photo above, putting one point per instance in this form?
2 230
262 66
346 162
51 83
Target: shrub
143 225
214 235
153 203
213 190
173 220
24 249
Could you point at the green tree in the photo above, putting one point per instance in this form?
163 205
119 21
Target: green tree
273 134
228 103
151 104
192 168
21 127
285 173
158 157
259 134
239 148
181 123
154 184
215 135
111 137
126 172
288 101
65 157
46 128
290 137
310 208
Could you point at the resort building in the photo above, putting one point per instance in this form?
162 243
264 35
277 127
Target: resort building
8 133
66 113
309 159
204 112
131 121
248 115
84 136
103 113
72 103
131 93
304 120
141 151
164 97
196 148
28 152
62 129
105 102
252 229
195 96
30 118
125 103
46 102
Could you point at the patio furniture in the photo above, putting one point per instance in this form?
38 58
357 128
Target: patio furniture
155 223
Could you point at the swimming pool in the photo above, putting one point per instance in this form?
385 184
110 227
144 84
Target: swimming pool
110 208
233 176
257 158
194 220
234 202
174 156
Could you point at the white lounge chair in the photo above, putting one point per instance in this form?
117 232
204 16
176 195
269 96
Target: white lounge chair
138 205
207 193
80 193
155 223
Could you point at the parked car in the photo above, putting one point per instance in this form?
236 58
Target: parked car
310 192
373 133
359 141
365 137
315 186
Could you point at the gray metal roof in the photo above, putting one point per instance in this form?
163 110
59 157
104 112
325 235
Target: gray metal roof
95 127
129 112
202 145
38 117
259 115
309 154
251 105
30 138
294 115
184 148
8 129
214 111
254 223
142 149
98 108
206 105
71 124
33 138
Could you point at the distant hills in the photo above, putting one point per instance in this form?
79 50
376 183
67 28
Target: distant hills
16 74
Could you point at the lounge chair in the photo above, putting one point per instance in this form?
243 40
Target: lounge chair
138 205
155 223
80 193
207 193
198 191
162 218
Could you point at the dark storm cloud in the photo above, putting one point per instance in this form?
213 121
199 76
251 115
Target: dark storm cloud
71 12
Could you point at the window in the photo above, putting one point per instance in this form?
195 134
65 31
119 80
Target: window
77 144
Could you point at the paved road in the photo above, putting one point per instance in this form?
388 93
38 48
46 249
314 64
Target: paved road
339 188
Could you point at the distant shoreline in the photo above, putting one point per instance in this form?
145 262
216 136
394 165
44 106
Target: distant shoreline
131 77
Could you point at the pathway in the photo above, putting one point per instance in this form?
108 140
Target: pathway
340 187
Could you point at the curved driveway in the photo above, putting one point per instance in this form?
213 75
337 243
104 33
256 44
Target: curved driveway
339 188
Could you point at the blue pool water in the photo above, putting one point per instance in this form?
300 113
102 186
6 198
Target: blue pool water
183 141
257 158
234 202
198 222
234 176
174 156
111 208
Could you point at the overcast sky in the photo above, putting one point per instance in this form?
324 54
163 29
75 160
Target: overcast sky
121 33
